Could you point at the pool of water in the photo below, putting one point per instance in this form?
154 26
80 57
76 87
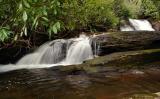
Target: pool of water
54 84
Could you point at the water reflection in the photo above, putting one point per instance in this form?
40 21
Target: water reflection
56 84
78 81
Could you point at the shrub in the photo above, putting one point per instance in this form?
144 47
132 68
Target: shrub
149 9
137 8
24 17
29 15
88 13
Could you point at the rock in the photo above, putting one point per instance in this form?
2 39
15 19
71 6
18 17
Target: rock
142 96
119 62
156 25
125 41
128 59
137 72
12 54
158 94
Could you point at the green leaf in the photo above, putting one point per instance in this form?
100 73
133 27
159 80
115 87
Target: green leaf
54 29
34 22
20 7
25 16
25 31
26 4
16 37
21 34
58 3
45 12
55 11
58 25
46 19
4 34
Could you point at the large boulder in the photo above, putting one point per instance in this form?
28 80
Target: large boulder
12 54
124 41
140 58
117 62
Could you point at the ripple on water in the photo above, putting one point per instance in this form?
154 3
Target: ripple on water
47 83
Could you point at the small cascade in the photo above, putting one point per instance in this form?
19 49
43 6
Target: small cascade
137 25
141 25
126 28
49 53
57 52
79 51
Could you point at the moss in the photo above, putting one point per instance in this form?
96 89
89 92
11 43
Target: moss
129 59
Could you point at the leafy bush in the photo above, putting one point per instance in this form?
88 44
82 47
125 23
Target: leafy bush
88 13
137 8
27 17
148 8
121 10
4 34
24 17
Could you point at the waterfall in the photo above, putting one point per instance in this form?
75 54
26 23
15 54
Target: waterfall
79 51
137 25
49 53
55 53
126 28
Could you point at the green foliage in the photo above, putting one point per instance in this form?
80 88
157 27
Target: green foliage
120 10
148 8
24 17
137 8
52 16
88 13
4 34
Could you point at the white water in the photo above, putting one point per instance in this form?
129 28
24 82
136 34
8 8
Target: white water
55 53
79 51
126 28
137 25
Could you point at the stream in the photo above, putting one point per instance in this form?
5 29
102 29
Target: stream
52 83
49 72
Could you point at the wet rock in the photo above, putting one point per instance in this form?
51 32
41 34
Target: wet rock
158 94
125 41
12 54
129 59
137 72
156 25
142 96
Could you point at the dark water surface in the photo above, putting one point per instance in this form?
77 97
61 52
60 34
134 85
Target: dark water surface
55 84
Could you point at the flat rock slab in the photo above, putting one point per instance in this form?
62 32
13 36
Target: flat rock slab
118 62
129 58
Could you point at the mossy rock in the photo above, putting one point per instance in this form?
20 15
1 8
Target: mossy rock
138 58
116 62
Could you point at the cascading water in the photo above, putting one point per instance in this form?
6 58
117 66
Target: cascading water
54 53
126 28
49 53
137 25
79 51
141 25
